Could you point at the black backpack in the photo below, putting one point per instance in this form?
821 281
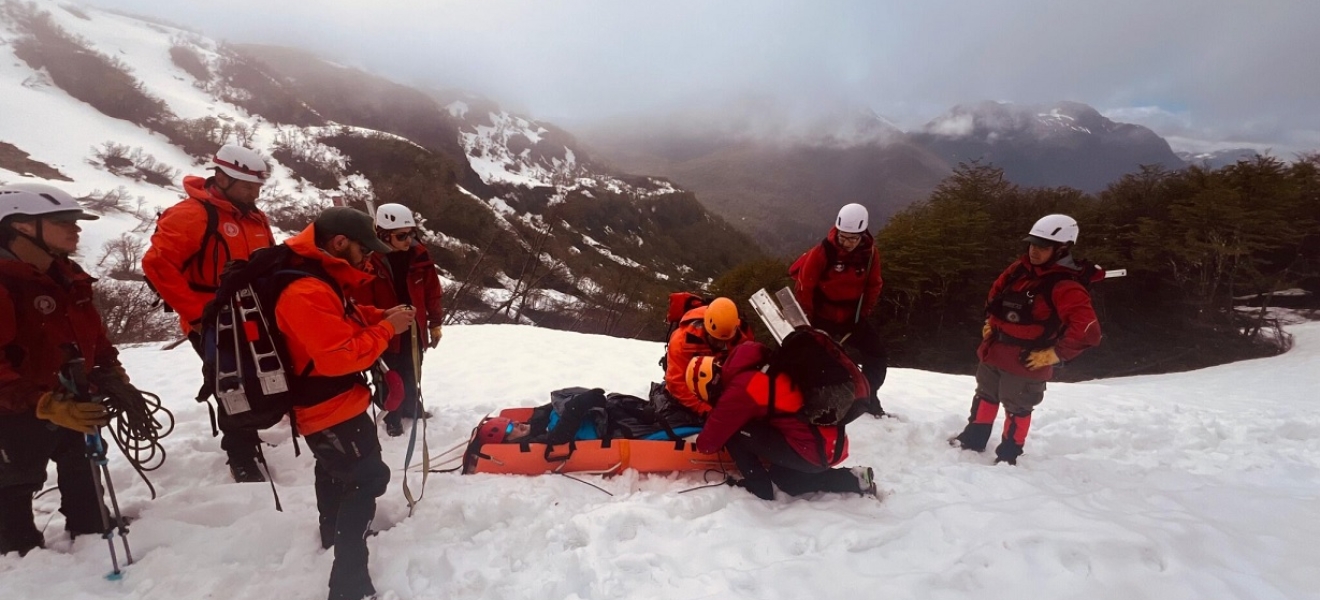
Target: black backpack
246 364
833 388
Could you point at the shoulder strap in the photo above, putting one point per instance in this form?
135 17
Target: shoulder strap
211 232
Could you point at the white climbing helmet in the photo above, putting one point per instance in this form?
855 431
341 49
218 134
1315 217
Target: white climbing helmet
36 199
1058 229
852 219
241 163
394 216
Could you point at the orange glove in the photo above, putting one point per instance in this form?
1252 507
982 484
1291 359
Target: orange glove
58 408
435 336
1042 358
986 330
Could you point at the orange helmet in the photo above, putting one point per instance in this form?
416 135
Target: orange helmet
700 376
493 431
722 319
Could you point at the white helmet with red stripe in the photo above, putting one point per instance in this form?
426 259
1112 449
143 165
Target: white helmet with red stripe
241 163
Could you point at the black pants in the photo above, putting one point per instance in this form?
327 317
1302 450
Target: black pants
402 361
350 475
759 442
240 444
27 445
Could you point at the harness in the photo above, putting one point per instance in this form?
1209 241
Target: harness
1018 306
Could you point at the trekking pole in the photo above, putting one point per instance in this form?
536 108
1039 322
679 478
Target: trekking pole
75 380
100 468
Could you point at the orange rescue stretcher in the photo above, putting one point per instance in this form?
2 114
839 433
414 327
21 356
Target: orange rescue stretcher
588 456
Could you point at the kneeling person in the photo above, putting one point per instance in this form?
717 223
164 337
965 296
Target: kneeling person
755 422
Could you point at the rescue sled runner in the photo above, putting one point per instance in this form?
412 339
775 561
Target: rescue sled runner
604 457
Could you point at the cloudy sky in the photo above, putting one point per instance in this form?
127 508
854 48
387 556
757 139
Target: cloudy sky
1202 72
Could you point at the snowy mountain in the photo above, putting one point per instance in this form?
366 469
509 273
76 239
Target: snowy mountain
1194 485
780 179
1064 144
119 108
1218 158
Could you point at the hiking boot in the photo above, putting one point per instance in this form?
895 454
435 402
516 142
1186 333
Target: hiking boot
393 427
974 437
866 481
1007 452
21 542
246 471
874 409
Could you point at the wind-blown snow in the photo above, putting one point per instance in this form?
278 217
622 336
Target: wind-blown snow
1195 485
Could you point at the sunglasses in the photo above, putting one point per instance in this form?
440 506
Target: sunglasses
400 236
847 238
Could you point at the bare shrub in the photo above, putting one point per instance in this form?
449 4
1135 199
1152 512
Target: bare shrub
116 200
290 213
130 310
134 163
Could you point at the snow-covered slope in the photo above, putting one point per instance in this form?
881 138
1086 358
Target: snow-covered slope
522 167
61 131
1199 485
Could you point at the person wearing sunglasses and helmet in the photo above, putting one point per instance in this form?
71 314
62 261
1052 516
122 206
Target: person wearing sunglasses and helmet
711 330
405 275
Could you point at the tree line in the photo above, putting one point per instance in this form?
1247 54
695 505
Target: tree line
1197 244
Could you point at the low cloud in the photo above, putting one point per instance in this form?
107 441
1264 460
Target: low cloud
1207 67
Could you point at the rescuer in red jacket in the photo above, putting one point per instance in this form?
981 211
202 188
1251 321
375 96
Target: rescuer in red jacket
837 283
47 318
1038 315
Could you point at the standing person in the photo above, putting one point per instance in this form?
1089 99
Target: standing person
46 318
218 222
333 340
837 283
405 275
1038 315
772 447
711 330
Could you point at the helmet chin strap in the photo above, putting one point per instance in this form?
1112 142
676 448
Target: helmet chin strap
38 240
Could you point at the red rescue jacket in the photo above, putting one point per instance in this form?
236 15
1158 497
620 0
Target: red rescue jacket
1069 303
311 316
831 283
39 314
184 263
745 397
424 291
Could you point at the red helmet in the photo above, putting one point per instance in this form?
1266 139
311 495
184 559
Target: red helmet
494 430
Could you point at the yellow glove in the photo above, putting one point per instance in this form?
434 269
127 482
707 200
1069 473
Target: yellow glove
986 330
66 412
1042 358
435 336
